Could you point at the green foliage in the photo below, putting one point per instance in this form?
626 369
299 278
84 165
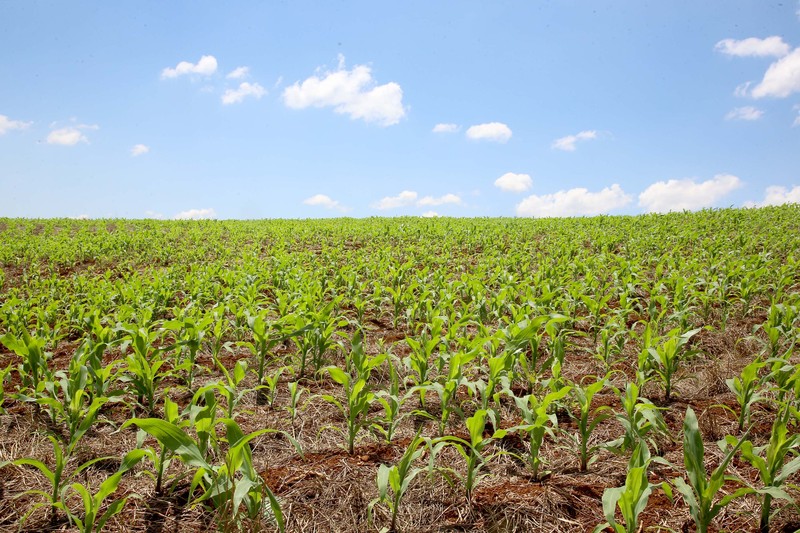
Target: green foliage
700 493
397 478
667 357
631 498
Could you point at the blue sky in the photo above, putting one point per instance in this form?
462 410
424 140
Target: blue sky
320 109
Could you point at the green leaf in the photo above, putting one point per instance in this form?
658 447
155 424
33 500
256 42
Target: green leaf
173 438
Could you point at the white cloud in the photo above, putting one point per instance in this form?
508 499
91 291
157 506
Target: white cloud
206 66
743 89
430 214
325 201
744 113
409 198
445 128
491 131
446 199
139 149
753 47
350 92
678 195
777 195
196 214
511 182
568 143
70 135
574 202
6 124
238 73
154 214
781 79
403 199
235 96
797 118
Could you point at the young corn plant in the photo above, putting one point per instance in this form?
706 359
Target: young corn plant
667 357
356 405
266 336
499 368
72 406
163 457
228 486
640 419
318 335
771 462
34 370
538 421
229 386
746 388
189 334
392 401
631 498
295 393
447 390
56 476
143 366
3 377
472 452
397 478
92 520
700 493
419 361
588 419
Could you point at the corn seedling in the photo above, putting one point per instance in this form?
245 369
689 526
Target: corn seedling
392 401
472 452
92 520
667 357
640 419
397 478
538 422
355 407
771 462
701 492
631 498
588 419
745 386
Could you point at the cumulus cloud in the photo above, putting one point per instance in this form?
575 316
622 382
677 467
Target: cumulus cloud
235 96
409 198
6 124
206 66
430 214
753 47
70 135
491 131
511 182
325 201
403 199
154 214
445 128
678 195
574 202
744 113
196 214
139 149
778 195
350 92
238 73
781 79
568 143
446 199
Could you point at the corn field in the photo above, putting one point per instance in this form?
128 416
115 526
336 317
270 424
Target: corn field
617 374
